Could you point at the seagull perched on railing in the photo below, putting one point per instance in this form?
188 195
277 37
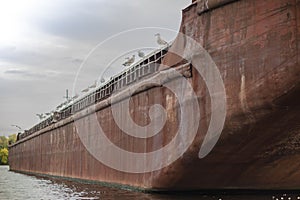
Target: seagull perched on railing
94 85
75 97
141 54
85 90
159 40
129 61
60 106
125 63
41 116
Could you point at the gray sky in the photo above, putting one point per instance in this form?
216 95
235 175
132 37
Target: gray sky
43 43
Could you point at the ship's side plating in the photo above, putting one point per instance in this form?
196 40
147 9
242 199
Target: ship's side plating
255 44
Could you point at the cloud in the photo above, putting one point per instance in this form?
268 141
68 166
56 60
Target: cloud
15 71
37 67
21 73
23 56
92 20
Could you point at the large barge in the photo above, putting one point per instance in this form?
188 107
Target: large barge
255 47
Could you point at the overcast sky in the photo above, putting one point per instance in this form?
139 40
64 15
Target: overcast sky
43 43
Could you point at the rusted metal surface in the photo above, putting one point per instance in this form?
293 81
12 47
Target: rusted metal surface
255 45
61 152
205 5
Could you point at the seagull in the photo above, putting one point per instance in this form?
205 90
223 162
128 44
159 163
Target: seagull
41 116
85 90
141 54
102 80
126 62
159 40
129 61
75 97
17 126
60 105
94 85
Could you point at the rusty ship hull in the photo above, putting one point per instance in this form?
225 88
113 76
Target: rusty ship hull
255 45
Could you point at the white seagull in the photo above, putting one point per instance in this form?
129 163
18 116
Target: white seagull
141 54
94 85
126 62
129 61
41 116
102 80
75 97
85 90
159 40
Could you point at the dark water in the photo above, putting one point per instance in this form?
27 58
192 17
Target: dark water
19 186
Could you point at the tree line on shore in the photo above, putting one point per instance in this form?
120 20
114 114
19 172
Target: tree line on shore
4 142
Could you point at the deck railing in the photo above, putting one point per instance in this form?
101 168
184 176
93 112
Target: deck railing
145 67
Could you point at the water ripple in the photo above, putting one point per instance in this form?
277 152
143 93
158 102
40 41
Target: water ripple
16 186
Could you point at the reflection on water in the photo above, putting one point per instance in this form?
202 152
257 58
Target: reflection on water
19 186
